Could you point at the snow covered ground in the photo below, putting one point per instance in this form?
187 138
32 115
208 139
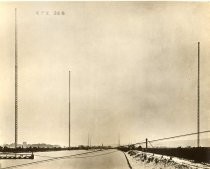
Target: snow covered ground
141 160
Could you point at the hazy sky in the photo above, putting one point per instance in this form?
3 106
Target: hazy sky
133 70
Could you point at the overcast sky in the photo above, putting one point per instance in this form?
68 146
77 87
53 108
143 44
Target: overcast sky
133 71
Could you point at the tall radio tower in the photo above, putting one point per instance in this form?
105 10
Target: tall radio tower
69 109
16 82
198 99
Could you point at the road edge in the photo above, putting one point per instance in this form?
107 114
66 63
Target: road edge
129 165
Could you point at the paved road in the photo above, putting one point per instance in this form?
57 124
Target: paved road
107 159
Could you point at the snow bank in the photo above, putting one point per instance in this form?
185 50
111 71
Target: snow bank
140 160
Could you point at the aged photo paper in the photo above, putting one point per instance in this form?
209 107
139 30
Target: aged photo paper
104 85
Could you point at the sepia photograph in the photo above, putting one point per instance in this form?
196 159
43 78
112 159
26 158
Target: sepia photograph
104 85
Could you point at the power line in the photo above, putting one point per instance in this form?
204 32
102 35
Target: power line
183 135
151 144
172 137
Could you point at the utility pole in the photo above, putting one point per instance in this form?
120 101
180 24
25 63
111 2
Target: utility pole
198 99
88 140
69 109
16 82
146 144
119 140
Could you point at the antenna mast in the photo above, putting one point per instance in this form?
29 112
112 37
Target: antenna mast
69 109
198 94
119 139
16 82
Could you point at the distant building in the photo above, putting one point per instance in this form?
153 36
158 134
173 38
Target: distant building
12 145
24 144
